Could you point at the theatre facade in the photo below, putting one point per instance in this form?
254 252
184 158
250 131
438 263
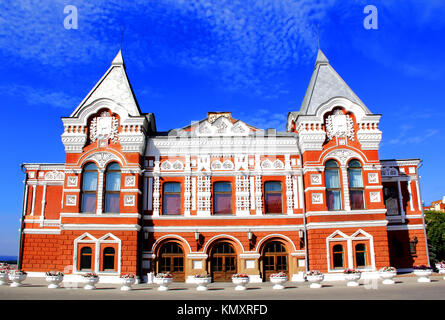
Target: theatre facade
219 195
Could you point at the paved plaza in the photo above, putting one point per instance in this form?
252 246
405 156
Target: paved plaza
405 288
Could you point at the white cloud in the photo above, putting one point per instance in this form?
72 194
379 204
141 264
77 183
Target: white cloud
41 97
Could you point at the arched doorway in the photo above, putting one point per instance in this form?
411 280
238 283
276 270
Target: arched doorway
274 259
222 262
171 259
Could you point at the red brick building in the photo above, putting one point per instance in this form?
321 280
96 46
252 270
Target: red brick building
438 205
221 196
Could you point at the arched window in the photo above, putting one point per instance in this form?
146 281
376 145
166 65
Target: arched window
108 259
171 259
222 198
273 197
355 185
333 192
89 188
112 188
86 254
171 201
360 255
337 256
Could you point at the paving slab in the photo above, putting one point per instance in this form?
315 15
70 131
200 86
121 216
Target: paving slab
405 288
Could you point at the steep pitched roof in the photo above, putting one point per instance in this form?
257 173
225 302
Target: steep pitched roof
326 84
114 85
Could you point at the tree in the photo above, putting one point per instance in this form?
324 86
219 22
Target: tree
435 232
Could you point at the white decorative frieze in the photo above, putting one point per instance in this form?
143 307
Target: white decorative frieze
203 195
241 162
242 194
130 181
369 135
54 176
340 125
267 164
156 195
102 158
222 126
389 172
203 162
71 200
289 194
187 195
311 136
74 141
374 196
168 166
317 198
104 127
258 195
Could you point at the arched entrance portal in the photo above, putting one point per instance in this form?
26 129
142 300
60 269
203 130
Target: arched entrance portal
171 259
274 259
222 262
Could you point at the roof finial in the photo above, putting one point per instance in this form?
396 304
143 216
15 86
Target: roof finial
318 38
122 36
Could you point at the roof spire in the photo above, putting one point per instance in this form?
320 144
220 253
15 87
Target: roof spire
118 60
321 58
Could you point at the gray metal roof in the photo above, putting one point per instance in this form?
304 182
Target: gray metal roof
326 84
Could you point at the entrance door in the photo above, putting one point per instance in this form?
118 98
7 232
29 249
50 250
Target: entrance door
171 259
274 259
223 262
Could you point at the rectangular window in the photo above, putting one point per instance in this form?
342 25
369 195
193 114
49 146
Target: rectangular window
89 202
356 197
222 198
171 203
333 199
112 202
273 197
391 198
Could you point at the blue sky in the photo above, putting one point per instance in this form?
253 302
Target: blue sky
184 58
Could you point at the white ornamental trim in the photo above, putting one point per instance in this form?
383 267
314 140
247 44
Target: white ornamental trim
374 196
317 198
129 200
71 200
315 178
104 127
130 181
72 181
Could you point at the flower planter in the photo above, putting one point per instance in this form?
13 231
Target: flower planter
54 281
163 283
202 283
17 279
90 283
441 268
387 276
127 283
352 279
240 283
278 282
423 275
3 279
315 280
